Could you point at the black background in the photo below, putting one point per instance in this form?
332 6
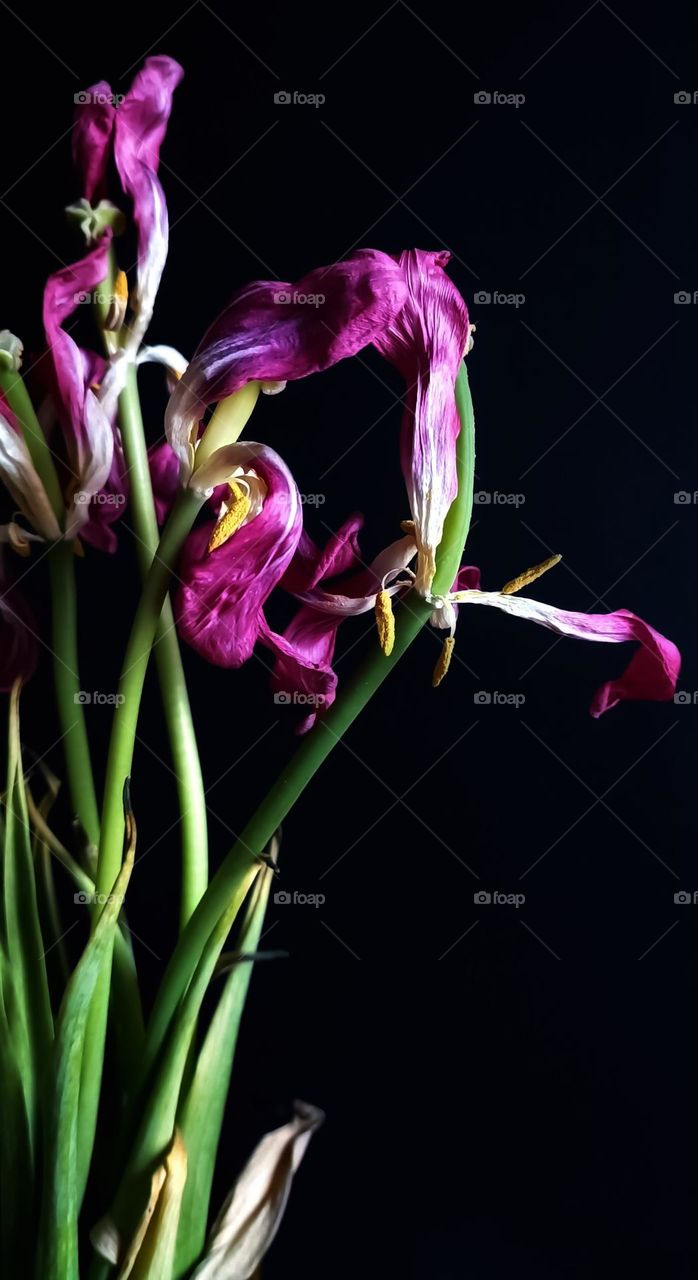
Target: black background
508 1091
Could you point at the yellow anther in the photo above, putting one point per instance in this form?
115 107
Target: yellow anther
385 621
238 508
523 580
444 662
121 288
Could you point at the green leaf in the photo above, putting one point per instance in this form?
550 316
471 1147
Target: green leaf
58 1233
18 1200
201 1113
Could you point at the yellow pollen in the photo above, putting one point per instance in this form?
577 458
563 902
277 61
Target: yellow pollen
121 288
385 621
444 662
231 520
524 579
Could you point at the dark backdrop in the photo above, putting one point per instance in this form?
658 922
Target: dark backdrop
508 1089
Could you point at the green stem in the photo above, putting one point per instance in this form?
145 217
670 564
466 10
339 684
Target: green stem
316 746
119 764
71 715
17 397
178 716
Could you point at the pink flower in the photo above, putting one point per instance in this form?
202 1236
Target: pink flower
426 340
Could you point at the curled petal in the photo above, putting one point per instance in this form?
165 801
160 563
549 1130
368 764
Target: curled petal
164 475
219 603
358 593
273 331
427 341
250 1217
652 671
95 113
303 671
311 566
19 475
88 431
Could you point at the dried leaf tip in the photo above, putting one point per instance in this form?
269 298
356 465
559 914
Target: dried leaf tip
444 662
530 575
385 621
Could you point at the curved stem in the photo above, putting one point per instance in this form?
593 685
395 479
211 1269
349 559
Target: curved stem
411 616
119 764
180 725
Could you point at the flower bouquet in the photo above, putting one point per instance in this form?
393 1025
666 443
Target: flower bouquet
218 519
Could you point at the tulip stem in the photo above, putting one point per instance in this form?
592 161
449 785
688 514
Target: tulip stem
411 616
68 693
173 686
119 763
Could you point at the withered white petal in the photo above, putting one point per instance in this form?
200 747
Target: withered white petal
19 475
251 1215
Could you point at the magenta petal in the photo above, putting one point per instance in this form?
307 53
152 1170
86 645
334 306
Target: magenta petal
92 136
65 291
652 672
276 332
310 566
164 475
219 603
427 342
303 672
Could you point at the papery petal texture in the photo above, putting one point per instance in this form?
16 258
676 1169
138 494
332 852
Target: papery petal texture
220 599
276 332
653 670
426 342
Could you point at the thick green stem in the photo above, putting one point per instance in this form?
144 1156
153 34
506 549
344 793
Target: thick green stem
180 725
410 618
119 763
69 695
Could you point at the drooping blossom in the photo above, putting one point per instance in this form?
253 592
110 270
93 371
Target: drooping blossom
131 131
426 340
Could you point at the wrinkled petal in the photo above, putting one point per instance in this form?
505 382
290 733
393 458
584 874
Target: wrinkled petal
219 603
164 475
311 566
141 123
303 673
250 1217
358 594
271 331
653 669
20 477
92 136
426 341
88 431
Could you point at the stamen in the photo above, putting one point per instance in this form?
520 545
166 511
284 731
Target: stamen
444 662
121 288
385 621
231 519
118 304
407 526
524 579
